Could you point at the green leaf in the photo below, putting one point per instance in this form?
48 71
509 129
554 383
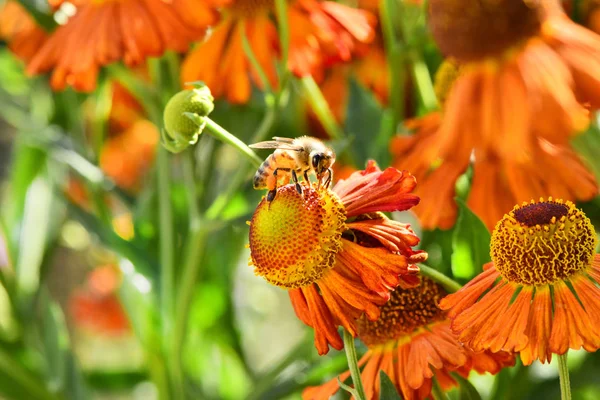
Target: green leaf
587 145
466 391
388 390
470 244
363 118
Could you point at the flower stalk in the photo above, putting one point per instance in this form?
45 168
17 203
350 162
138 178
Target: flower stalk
563 373
359 390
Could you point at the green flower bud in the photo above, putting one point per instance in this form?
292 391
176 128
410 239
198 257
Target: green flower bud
184 117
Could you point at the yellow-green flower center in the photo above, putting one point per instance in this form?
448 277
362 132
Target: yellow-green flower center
544 242
294 238
405 312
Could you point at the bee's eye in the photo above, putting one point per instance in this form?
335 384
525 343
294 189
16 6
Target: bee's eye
316 160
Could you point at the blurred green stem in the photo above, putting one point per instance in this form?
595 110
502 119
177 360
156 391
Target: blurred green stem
563 373
353 365
223 135
321 107
448 283
264 80
424 84
437 392
284 30
21 377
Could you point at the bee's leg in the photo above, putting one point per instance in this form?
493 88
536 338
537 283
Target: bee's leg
329 177
295 178
306 177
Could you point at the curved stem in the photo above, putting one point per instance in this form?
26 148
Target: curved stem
353 365
223 135
284 30
264 80
448 283
321 107
437 392
563 373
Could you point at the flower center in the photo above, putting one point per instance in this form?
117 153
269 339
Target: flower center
541 243
249 8
294 238
474 29
406 311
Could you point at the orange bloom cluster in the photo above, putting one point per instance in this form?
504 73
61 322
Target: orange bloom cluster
412 343
522 91
103 32
335 252
321 33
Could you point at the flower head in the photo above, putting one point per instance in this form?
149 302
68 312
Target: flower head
321 33
103 32
334 251
531 74
412 343
539 295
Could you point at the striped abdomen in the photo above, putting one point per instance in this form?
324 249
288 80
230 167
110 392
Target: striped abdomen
279 159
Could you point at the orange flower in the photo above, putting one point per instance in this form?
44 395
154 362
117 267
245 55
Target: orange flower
20 30
96 307
412 343
105 31
321 33
524 77
127 156
497 183
334 251
539 295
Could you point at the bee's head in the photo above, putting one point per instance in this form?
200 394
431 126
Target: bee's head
321 161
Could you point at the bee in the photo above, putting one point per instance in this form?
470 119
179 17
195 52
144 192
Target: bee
293 158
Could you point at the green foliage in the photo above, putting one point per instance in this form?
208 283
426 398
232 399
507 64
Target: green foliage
470 244
387 389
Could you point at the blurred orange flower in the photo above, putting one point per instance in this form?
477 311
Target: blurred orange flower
19 29
128 155
103 32
539 296
497 183
334 251
321 33
412 343
529 75
96 306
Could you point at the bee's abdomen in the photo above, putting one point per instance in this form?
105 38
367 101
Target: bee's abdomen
260 177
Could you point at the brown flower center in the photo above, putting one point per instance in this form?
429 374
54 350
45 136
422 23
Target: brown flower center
294 238
474 29
541 243
406 311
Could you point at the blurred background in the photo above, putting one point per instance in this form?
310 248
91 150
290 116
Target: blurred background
124 268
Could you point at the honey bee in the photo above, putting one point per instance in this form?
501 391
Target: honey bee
293 158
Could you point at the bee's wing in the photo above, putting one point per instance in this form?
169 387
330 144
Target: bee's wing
272 144
283 139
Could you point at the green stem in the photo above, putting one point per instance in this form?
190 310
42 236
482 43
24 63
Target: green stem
424 83
23 378
353 365
448 283
563 373
284 30
223 135
254 61
321 107
437 391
